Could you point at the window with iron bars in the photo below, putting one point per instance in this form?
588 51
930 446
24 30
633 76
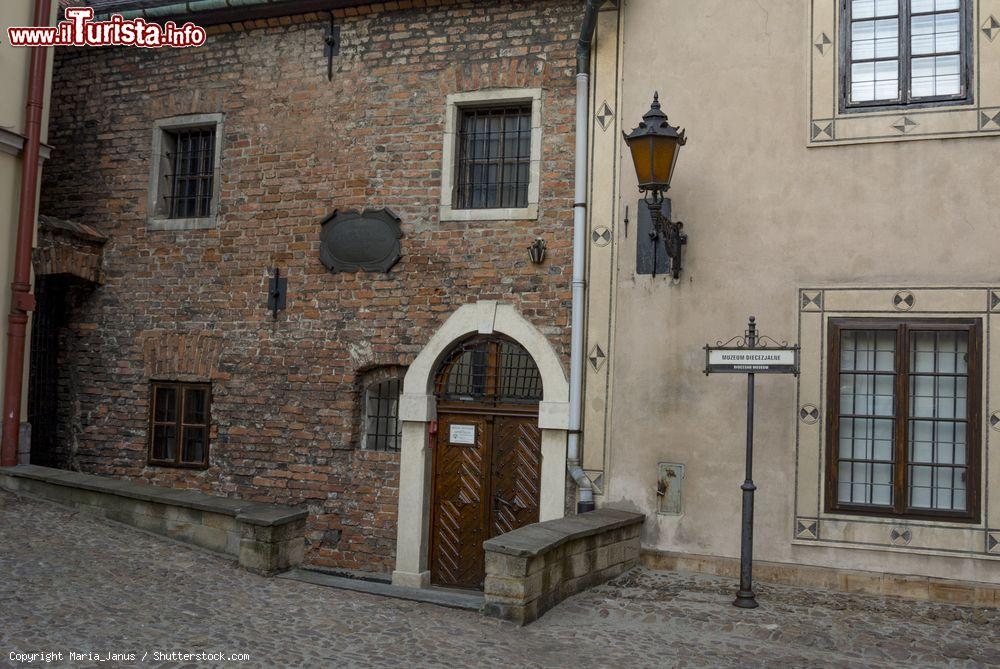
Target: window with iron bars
192 172
382 428
494 158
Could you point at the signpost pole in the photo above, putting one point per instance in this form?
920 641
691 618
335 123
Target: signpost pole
750 354
745 597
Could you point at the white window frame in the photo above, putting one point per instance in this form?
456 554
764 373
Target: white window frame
457 102
156 210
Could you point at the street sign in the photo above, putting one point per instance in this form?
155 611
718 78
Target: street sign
723 360
750 354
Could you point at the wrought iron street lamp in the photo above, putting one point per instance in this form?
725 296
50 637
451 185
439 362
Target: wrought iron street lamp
655 145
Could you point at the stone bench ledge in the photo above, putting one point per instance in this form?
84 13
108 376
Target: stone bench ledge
252 513
534 540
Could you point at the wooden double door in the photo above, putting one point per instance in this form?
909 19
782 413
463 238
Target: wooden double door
487 478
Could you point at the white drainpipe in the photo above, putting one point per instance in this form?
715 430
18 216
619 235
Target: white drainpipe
585 487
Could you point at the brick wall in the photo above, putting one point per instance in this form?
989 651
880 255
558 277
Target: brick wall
192 304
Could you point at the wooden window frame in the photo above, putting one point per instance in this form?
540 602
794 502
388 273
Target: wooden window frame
905 55
903 327
180 389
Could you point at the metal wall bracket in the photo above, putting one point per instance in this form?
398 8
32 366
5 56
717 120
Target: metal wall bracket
331 47
277 293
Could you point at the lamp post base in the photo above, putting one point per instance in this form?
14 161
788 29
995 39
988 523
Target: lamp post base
746 599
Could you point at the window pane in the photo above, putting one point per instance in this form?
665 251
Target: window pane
195 439
195 404
936 45
165 404
193 172
938 420
382 429
494 145
866 427
164 442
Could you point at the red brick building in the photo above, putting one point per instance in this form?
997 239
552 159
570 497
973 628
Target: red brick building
274 146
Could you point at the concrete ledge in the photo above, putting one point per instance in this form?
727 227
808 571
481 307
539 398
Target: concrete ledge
530 570
264 538
906 586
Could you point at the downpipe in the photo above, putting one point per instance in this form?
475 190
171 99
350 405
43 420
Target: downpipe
22 302
585 488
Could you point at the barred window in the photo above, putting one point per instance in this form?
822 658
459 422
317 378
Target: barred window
184 172
382 427
904 411
179 424
494 159
192 172
903 52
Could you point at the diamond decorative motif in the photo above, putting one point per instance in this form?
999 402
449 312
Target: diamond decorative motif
904 300
900 536
806 528
989 119
811 300
809 414
822 131
605 115
905 125
597 357
601 236
991 28
823 43
995 420
993 542
995 300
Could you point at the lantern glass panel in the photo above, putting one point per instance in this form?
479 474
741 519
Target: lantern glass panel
664 153
642 158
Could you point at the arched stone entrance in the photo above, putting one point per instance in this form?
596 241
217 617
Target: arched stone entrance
428 419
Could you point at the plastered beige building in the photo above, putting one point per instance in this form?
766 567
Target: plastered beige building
14 74
813 205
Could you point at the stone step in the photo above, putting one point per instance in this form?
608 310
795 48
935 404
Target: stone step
454 599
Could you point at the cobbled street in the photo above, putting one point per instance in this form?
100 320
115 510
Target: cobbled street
77 583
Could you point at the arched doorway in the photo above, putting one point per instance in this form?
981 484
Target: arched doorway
487 454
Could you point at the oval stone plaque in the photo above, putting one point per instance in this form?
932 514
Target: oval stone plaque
367 241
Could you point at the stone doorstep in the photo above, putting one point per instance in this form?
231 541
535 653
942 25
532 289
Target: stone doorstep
253 513
455 599
905 586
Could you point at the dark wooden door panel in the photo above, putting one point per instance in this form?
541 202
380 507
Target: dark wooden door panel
460 504
516 473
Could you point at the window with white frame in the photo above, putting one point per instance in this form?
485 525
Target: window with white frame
492 152
906 52
184 174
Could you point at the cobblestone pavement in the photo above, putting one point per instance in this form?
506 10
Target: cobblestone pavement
75 583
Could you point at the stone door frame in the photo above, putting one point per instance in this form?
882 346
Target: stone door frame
418 409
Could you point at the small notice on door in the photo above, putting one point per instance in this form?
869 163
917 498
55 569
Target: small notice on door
463 434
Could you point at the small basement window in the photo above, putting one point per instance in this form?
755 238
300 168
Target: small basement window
179 424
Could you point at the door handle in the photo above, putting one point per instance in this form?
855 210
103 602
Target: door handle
507 504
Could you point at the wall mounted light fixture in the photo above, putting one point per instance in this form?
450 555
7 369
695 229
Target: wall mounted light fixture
654 146
537 251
